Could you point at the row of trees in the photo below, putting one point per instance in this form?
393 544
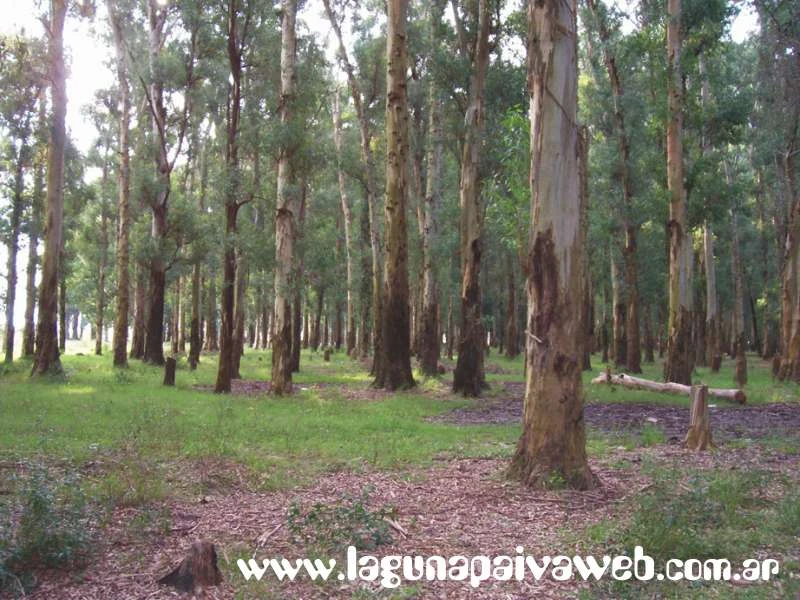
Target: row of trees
209 148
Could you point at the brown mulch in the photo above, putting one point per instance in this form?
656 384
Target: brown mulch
727 422
463 506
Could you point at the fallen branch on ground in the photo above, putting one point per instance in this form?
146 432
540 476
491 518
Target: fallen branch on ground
732 395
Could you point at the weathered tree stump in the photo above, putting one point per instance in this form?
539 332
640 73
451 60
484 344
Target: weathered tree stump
169 371
197 571
699 435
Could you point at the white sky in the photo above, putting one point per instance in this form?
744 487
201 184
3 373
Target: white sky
88 72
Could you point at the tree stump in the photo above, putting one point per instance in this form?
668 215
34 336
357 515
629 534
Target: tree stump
169 371
197 571
326 356
699 435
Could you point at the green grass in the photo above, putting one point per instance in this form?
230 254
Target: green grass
128 417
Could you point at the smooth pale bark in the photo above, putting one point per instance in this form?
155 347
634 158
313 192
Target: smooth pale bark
430 338
632 358
552 448
46 360
297 303
347 217
394 364
677 366
733 395
139 314
370 186
287 211
123 194
469 378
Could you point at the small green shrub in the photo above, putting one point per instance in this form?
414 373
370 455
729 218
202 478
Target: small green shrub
53 529
332 527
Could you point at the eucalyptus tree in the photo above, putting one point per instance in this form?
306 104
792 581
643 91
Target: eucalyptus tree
21 75
46 360
469 377
552 447
394 370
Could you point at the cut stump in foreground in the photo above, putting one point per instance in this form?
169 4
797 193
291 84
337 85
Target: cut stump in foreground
197 571
670 387
699 435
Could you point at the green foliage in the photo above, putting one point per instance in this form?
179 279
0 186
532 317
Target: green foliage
333 527
50 527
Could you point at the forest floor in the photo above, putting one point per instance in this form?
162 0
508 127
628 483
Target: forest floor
117 476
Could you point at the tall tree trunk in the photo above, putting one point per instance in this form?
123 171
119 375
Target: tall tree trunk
451 334
588 291
430 338
790 281
632 359
713 354
299 268
394 371
62 309
469 378
316 331
740 376
512 341
47 355
139 314
235 43
552 448
620 342
15 223
368 161
102 263
365 293
212 335
239 314
347 217
648 338
288 210
123 194
677 367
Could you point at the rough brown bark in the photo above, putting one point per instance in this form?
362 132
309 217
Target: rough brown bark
212 337
552 448
287 210
677 366
740 376
394 370
46 360
790 290
226 369
469 378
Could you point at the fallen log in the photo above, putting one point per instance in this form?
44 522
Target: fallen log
667 388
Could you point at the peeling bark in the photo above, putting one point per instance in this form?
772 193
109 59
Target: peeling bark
552 448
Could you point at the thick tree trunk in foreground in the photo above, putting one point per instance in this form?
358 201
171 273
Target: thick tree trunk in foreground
677 367
47 360
395 362
287 213
552 448
637 383
469 378
790 289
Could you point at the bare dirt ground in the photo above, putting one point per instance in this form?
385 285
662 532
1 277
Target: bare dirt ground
727 422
